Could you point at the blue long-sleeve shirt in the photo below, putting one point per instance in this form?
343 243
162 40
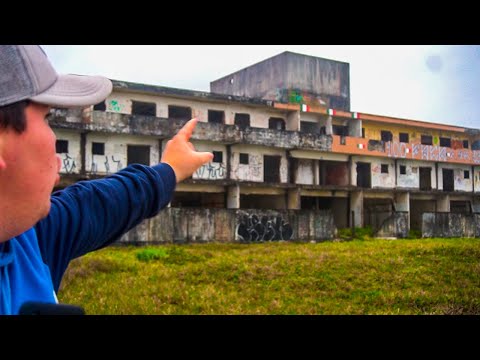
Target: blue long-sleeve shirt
83 217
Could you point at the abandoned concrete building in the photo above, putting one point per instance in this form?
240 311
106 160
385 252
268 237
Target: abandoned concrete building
291 160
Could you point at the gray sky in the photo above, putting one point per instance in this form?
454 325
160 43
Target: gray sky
431 83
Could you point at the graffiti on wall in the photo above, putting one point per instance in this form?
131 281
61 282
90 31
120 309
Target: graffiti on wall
297 96
251 228
114 105
117 165
253 171
396 149
68 164
430 152
211 171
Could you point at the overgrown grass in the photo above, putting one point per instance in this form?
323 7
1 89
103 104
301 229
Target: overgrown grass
427 276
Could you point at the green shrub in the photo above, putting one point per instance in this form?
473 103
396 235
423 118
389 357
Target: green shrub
414 234
364 233
150 254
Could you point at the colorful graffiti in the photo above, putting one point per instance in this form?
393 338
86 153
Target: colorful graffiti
114 105
430 152
297 96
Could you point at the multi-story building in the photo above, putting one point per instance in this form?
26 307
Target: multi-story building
291 160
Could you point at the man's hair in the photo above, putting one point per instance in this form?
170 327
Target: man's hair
13 116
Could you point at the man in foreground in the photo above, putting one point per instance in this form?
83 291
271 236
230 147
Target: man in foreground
40 232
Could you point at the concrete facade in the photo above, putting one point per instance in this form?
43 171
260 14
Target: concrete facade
291 77
350 169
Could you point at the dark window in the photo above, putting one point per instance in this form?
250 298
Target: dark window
242 120
403 169
386 135
217 156
271 168
363 133
276 123
448 182
243 158
216 117
308 127
425 178
61 146
98 148
179 112
426 139
340 130
143 108
384 169
445 142
460 207
466 174
403 137
138 154
465 144
100 106
363 175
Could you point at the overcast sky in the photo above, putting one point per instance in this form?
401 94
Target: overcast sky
431 83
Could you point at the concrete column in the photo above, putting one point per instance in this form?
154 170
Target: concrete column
328 126
316 169
293 121
443 203
355 127
353 172
293 199
402 203
233 197
356 205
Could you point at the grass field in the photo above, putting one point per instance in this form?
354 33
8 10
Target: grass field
423 276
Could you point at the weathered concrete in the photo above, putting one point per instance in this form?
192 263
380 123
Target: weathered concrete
291 78
450 225
356 205
233 197
163 128
126 86
443 203
395 225
294 199
185 225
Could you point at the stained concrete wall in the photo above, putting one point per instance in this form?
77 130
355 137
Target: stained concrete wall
121 102
291 78
71 161
229 225
412 177
395 225
378 179
450 225
476 178
460 183
305 171
116 123
254 171
212 170
116 150
417 208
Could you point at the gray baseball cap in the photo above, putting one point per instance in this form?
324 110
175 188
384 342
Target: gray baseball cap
26 73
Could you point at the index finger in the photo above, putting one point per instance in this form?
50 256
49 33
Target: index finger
188 128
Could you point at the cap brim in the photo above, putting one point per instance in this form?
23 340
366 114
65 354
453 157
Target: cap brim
70 91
